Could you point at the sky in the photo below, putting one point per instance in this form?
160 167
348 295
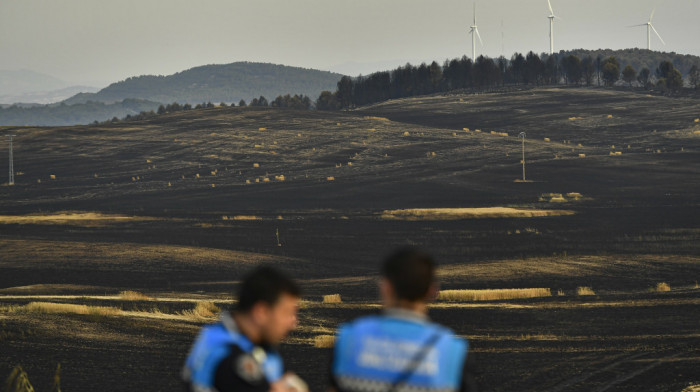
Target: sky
96 42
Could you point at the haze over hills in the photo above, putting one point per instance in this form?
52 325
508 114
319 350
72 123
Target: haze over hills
31 87
218 83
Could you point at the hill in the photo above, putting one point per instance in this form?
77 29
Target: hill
181 205
80 113
217 83
16 82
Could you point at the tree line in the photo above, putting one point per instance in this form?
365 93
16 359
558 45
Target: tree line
487 73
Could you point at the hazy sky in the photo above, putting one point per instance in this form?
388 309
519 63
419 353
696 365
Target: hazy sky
95 41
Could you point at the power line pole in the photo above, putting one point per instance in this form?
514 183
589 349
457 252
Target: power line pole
522 135
12 165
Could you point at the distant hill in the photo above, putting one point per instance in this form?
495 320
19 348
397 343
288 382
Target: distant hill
43 96
639 58
21 81
82 113
217 83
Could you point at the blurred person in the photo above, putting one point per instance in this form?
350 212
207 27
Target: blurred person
401 349
238 352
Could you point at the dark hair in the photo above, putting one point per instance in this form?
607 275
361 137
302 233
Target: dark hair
264 284
411 273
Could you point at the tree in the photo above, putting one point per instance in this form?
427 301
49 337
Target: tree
611 71
628 75
694 76
345 91
674 80
588 70
573 69
242 103
644 77
161 109
664 70
222 104
669 77
327 101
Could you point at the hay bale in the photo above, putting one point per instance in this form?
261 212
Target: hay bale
332 299
584 291
581 155
324 341
52 176
256 165
262 129
547 139
662 287
330 178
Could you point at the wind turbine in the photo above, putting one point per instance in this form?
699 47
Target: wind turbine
650 27
551 27
474 31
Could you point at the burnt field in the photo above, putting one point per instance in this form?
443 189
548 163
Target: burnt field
179 207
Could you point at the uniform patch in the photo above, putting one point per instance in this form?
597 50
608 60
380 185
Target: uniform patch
248 369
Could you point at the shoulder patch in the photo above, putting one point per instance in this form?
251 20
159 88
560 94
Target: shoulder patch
248 369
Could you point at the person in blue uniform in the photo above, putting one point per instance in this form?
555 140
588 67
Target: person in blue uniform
238 353
401 349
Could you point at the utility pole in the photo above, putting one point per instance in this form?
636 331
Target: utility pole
12 165
522 135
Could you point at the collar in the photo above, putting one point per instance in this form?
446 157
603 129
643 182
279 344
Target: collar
406 314
228 322
258 352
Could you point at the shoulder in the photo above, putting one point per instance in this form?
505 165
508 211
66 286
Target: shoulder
359 324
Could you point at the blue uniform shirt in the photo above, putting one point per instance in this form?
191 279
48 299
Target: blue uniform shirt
374 352
223 343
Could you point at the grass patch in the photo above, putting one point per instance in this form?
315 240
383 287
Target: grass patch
203 310
332 299
130 295
68 218
246 217
468 213
492 294
18 381
324 341
52 307
584 291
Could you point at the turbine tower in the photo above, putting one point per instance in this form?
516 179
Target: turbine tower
551 27
11 179
474 31
650 27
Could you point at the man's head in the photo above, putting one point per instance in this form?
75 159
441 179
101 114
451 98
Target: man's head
269 301
408 278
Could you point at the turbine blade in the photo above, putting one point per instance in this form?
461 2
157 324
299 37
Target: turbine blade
643 24
549 3
479 36
652 15
657 34
474 13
